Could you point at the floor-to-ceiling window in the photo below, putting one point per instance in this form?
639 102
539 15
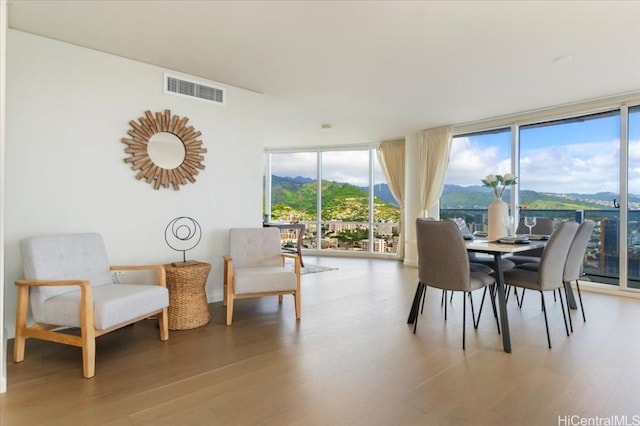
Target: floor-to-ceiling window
473 157
340 194
568 168
633 199
292 187
571 167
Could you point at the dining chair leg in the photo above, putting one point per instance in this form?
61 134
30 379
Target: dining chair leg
584 319
566 295
477 322
443 298
546 323
445 311
563 316
464 320
421 293
473 313
451 298
424 297
521 297
415 304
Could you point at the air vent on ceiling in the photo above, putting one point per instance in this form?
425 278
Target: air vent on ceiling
183 87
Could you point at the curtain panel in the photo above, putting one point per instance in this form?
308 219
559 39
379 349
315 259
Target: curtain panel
434 149
391 156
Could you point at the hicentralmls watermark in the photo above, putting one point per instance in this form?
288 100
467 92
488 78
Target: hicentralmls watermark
576 420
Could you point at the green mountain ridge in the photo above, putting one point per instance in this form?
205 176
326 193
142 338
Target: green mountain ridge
296 199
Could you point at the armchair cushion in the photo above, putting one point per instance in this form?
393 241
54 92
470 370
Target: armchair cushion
112 304
263 279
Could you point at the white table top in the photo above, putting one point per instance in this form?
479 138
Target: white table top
484 246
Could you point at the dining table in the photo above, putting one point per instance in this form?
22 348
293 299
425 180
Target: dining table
497 250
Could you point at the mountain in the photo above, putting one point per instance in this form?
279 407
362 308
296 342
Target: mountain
297 198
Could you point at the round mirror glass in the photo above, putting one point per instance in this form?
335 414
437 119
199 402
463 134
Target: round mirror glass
166 150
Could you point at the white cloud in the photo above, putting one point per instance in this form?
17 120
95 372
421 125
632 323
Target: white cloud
339 166
469 162
584 168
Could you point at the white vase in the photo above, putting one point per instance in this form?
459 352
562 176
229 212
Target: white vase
498 209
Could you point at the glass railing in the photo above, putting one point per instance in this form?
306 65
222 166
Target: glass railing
602 260
348 236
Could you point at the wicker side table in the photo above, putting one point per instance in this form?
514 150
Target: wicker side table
187 296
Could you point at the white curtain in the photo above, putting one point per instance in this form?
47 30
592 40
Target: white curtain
434 148
391 159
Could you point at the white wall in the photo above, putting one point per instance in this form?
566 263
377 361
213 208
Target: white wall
67 109
3 57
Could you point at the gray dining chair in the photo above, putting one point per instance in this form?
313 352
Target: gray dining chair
466 234
550 272
573 268
443 263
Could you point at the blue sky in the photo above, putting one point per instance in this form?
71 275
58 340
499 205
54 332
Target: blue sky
571 157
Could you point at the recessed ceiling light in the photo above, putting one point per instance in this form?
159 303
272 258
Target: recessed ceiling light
562 59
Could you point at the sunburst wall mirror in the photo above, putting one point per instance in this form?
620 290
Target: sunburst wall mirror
164 149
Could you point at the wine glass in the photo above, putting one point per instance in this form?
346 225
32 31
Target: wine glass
507 222
530 222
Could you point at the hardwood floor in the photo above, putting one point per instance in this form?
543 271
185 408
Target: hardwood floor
351 360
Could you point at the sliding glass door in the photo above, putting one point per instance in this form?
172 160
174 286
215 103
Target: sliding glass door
570 170
633 199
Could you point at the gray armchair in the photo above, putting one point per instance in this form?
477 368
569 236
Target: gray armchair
68 283
255 268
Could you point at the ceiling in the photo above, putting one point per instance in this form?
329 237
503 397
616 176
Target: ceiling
374 70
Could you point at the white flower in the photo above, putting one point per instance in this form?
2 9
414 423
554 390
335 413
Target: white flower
490 180
494 181
508 179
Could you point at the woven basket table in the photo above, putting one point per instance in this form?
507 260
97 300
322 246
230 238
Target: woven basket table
188 306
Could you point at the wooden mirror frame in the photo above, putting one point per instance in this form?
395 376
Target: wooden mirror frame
139 159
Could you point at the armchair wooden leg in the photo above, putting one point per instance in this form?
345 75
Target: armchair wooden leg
229 310
280 298
88 353
297 303
163 324
21 324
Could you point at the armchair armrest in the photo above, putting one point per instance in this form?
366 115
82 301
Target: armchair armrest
297 262
86 302
161 275
228 265
52 283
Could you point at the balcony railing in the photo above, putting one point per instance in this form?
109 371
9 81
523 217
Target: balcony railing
601 260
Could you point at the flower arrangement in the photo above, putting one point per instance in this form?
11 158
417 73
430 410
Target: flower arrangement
498 183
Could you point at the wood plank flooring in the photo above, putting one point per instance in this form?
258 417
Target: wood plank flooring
351 360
